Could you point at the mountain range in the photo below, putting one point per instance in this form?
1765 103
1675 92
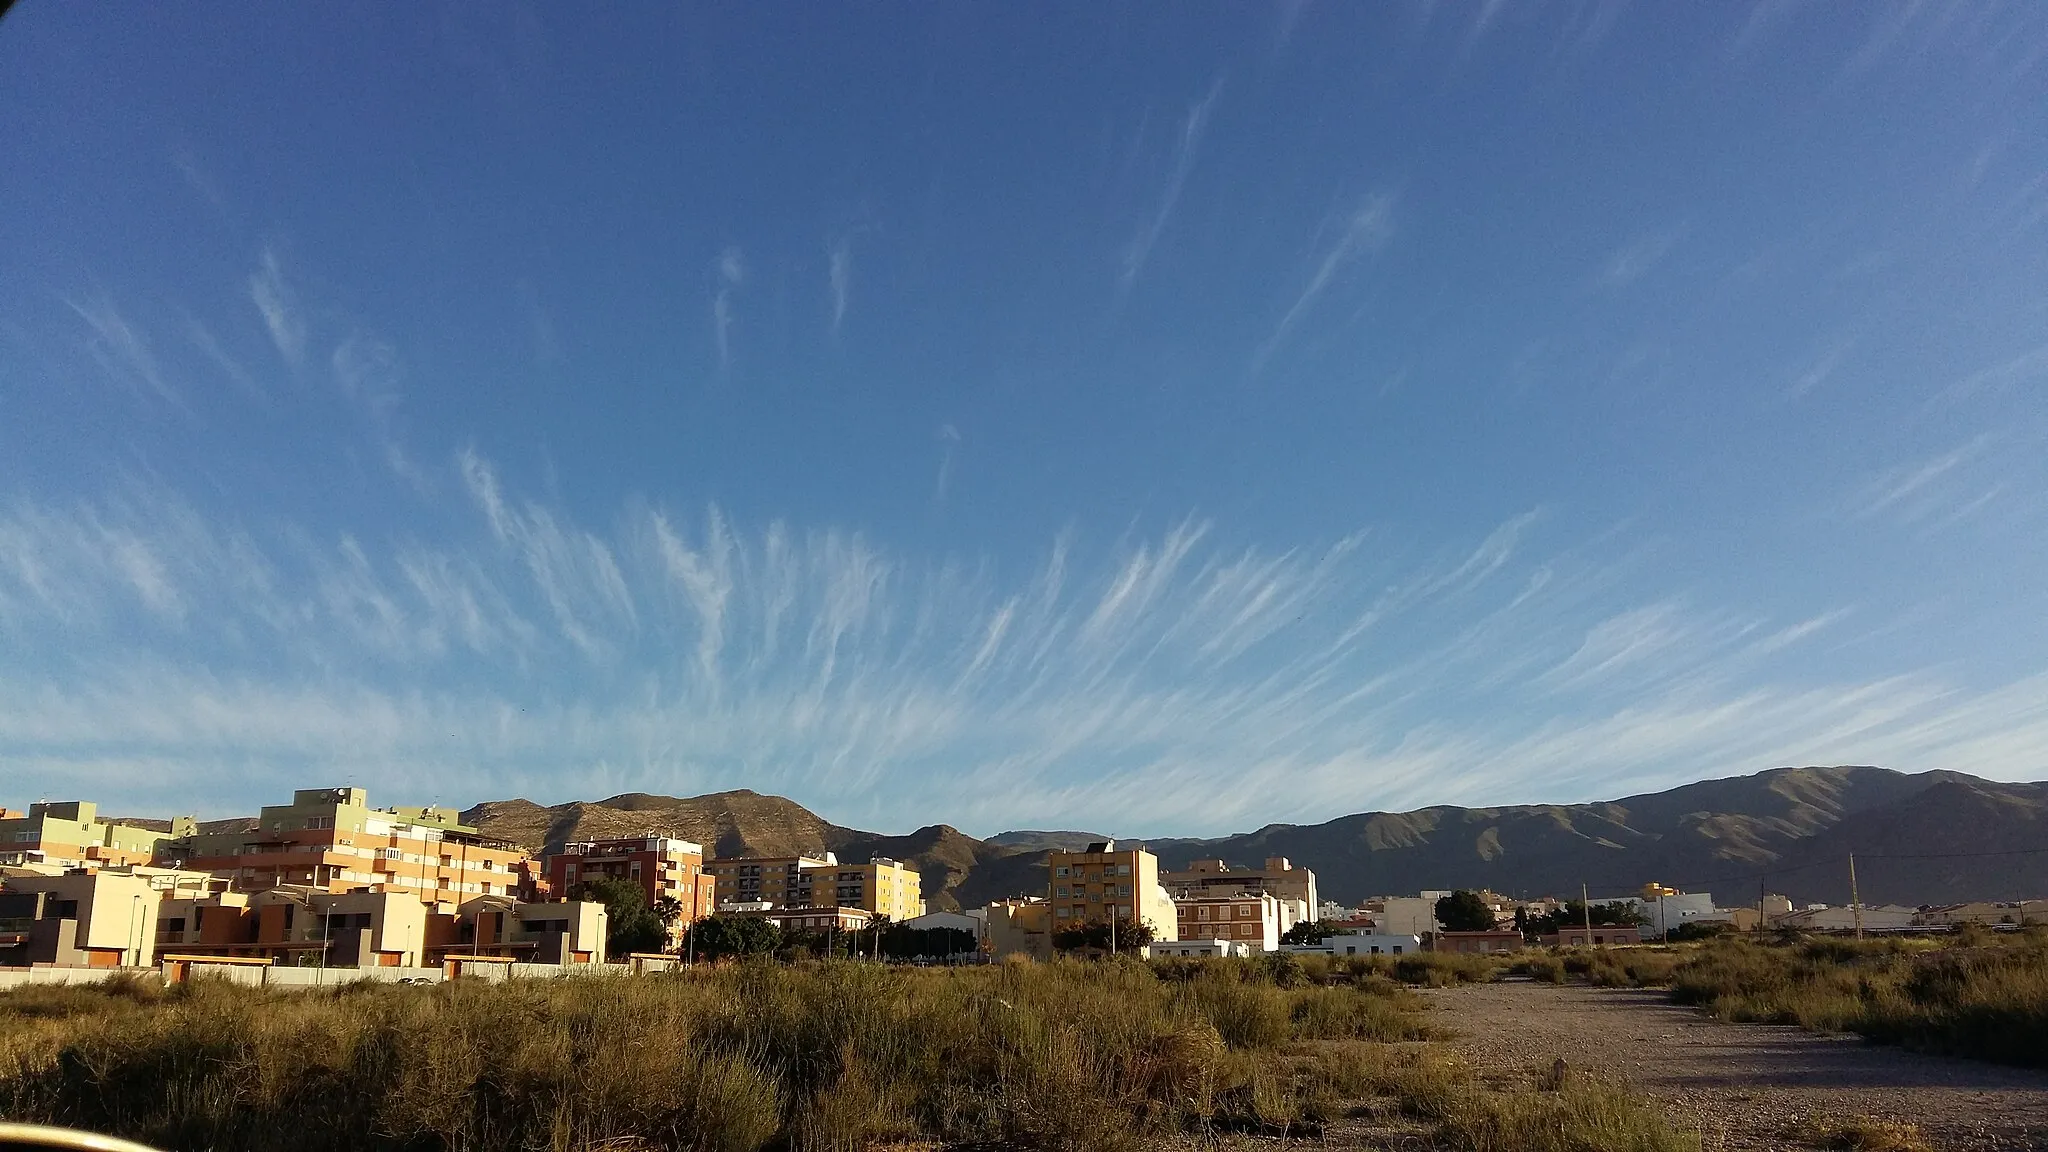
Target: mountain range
1925 838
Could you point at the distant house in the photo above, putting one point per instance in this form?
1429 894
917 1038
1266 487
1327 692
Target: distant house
1209 948
1363 944
1509 941
1601 935
1843 919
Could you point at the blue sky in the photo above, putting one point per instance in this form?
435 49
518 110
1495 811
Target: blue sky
1162 420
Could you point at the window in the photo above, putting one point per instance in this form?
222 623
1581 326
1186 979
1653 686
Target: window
1123 869
1061 913
1060 871
1062 891
1397 949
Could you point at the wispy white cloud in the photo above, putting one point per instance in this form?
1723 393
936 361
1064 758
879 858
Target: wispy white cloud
279 306
368 373
1186 148
839 255
1628 263
210 347
949 439
1370 225
1819 370
732 272
2026 368
1913 491
1194 685
121 349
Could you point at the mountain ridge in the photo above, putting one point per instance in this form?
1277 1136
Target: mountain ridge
1793 827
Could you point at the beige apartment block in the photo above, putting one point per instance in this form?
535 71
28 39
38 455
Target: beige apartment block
1020 927
331 839
778 881
881 887
70 834
1106 883
77 919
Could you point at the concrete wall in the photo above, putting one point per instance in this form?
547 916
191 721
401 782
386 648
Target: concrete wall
328 977
19 977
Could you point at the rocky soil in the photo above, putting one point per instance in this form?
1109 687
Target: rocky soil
1742 1086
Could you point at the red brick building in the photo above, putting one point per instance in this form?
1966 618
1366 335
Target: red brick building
660 865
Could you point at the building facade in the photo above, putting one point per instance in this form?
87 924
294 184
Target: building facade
70 834
881 887
1254 919
1508 941
77 919
777 881
1364 944
1404 915
1106 884
1277 877
664 868
1020 927
298 925
1188 947
331 839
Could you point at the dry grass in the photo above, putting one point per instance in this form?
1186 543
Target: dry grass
1859 1134
1988 1001
826 1057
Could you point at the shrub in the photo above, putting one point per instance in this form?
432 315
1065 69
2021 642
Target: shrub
1989 1002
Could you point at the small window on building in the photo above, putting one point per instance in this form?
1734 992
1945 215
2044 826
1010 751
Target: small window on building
1397 949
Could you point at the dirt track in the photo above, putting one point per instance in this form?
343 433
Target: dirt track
1743 1085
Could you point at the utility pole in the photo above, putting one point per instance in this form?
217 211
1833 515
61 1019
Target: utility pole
1586 906
1855 902
1759 907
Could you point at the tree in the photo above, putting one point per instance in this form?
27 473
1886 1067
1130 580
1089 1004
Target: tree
1464 911
1096 934
716 936
631 924
1573 915
904 943
1309 932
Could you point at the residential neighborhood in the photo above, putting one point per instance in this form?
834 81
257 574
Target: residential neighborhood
330 883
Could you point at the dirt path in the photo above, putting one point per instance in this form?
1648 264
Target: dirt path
1743 1085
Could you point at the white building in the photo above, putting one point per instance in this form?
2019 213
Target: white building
1365 944
1405 915
1211 948
1663 913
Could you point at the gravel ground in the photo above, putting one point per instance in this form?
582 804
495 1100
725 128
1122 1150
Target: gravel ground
1742 1085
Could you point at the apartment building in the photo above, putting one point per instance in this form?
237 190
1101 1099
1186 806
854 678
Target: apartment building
561 932
1020 926
70 834
79 918
298 925
778 881
1254 919
663 867
1278 877
1403 915
880 887
887 888
1105 883
332 840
